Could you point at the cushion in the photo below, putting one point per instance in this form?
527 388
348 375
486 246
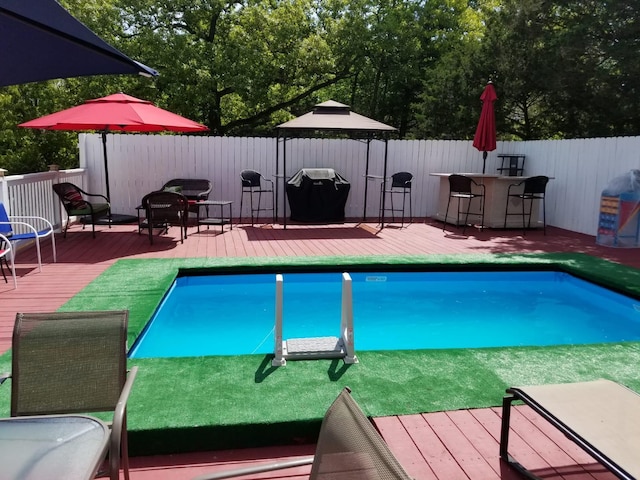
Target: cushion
75 200
175 189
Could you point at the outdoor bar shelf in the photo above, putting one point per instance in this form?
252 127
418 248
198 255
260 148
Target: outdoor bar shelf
496 187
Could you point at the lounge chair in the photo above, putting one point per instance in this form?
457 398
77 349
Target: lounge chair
602 417
163 209
18 228
348 448
74 362
74 202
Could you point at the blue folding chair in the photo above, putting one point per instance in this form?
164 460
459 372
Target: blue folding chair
22 227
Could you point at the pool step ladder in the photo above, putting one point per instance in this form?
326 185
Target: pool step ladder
316 347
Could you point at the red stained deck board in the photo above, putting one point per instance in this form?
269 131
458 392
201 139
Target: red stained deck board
402 445
436 454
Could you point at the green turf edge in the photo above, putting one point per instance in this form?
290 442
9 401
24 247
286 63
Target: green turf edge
189 404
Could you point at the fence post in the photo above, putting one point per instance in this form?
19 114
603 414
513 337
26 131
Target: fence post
4 191
57 212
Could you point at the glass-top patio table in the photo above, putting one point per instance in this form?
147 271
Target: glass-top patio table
52 446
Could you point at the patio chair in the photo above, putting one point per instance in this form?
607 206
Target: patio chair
348 448
19 228
74 203
400 186
466 188
252 184
74 362
601 416
195 189
534 190
164 209
7 251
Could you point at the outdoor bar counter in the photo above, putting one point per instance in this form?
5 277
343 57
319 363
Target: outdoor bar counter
495 201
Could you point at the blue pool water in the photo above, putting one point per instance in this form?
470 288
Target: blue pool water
234 314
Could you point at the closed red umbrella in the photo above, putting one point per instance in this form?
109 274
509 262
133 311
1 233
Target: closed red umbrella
115 113
485 137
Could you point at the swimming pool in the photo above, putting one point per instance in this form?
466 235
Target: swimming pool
234 314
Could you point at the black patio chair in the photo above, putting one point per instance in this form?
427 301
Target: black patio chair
164 209
74 203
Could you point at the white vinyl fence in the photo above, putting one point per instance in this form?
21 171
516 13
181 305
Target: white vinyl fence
139 164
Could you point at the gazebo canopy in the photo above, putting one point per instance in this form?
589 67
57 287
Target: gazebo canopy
336 117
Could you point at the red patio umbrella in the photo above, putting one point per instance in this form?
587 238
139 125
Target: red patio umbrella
115 113
485 137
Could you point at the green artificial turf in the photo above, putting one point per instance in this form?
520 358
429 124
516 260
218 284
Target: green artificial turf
186 404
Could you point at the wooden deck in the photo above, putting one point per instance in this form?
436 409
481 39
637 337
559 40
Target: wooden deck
444 445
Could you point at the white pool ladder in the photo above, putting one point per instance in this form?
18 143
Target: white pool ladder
316 347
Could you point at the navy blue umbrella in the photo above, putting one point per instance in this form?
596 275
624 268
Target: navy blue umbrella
40 40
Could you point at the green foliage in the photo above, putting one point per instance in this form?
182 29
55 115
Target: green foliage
562 69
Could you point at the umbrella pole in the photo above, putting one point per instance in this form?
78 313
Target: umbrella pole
277 178
384 180
484 161
366 182
284 182
106 168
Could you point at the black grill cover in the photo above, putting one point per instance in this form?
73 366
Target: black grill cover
317 195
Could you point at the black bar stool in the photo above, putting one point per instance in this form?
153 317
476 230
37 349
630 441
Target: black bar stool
400 185
252 184
462 188
534 190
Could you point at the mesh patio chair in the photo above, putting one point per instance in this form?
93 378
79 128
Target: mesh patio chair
164 209
19 228
600 416
74 203
74 362
349 448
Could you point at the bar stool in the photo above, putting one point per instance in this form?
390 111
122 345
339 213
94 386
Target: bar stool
462 188
534 190
252 184
400 185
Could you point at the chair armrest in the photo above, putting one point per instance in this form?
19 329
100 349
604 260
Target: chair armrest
119 421
27 226
92 194
31 217
96 195
121 406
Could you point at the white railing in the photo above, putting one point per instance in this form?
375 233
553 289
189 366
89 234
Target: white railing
139 164
32 194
